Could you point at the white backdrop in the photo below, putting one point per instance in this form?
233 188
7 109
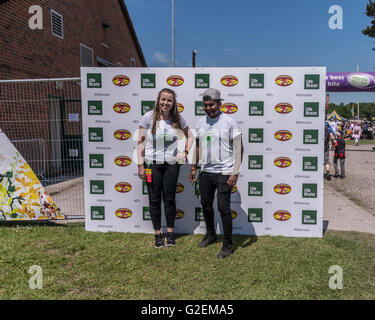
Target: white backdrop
257 94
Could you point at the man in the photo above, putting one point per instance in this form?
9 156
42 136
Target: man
328 135
219 149
333 125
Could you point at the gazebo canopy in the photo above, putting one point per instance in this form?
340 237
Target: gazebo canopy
335 116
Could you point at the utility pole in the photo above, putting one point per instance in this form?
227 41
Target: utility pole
173 58
193 58
358 98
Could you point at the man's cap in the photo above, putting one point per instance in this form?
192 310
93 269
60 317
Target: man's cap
211 94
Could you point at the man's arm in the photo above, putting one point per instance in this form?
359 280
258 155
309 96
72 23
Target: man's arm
238 150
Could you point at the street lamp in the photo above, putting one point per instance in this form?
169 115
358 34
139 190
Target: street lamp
173 58
193 58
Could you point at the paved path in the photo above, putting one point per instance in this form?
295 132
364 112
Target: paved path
343 214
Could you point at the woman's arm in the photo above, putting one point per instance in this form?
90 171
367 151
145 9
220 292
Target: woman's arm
189 139
141 152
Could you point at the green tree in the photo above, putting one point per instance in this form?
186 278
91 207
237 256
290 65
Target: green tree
370 12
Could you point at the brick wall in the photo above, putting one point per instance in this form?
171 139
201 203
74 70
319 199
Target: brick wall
28 110
26 53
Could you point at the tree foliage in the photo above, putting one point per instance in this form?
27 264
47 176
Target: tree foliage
366 110
370 12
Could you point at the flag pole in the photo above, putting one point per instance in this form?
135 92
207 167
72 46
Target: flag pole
173 57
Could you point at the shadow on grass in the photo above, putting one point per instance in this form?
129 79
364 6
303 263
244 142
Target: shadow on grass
325 226
243 241
14 224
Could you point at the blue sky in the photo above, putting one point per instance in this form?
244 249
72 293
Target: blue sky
253 33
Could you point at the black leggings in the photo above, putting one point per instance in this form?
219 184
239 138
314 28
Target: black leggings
208 184
163 186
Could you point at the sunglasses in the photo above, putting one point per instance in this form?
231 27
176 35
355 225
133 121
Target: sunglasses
208 104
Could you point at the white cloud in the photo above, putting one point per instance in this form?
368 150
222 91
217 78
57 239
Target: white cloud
161 58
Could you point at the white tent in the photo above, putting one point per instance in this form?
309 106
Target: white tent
22 196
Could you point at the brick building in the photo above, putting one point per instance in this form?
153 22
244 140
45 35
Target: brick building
53 39
75 33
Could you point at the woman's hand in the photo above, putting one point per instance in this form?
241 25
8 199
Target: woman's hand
141 172
193 170
181 157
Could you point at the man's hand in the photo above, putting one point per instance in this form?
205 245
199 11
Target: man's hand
193 170
232 180
141 172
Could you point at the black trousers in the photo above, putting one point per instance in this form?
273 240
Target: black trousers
163 186
342 166
209 183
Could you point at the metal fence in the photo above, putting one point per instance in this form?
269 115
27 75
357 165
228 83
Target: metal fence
43 119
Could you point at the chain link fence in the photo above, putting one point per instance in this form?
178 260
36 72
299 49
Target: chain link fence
43 119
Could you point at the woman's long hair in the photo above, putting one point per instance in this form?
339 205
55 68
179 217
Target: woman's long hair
175 116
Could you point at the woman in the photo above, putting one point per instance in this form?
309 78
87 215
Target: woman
159 162
357 131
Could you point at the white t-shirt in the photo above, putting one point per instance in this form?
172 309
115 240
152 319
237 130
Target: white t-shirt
216 142
333 126
164 145
357 131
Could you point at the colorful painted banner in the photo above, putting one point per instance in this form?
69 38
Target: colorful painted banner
350 82
280 112
22 196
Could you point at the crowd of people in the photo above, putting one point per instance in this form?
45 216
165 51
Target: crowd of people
336 132
354 129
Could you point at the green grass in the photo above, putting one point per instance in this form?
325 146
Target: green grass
88 265
352 142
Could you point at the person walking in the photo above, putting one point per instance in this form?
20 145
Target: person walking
339 155
159 161
357 131
219 150
328 135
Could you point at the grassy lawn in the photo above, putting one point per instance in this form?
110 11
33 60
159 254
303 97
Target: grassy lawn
86 265
352 142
